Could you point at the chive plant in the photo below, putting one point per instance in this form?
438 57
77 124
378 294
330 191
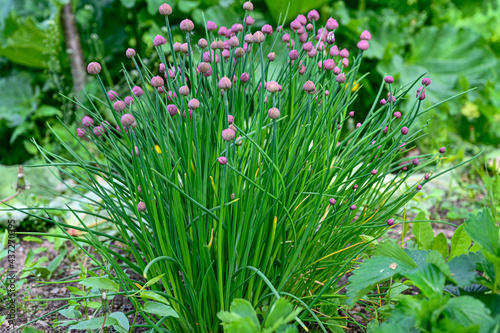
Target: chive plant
234 171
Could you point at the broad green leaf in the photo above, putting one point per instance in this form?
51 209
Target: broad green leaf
468 311
279 8
428 278
128 3
47 111
17 100
396 289
463 269
423 232
186 6
440 244
153 280
243 308
70 313
241 325
94 323
392 250
122 320
101 283
374 270
460 242
434 257
160 309
154 296
30 329
482 230
281 313
57 261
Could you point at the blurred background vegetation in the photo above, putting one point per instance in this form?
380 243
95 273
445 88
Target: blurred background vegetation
46 44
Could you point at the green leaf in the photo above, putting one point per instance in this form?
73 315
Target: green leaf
128 3
482 230
160 309
423 232
392 250
101 283
396 289
30 329
440 244
280 313
243 308
57 261
122 320
463 269
94 323
468 311
47 111
33 239
154 296
460 242
277 8
428 278
186 6
153 280
70 313
18 100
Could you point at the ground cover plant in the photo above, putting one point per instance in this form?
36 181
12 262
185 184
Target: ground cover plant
228 177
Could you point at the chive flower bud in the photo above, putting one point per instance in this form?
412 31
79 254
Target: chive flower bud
159 40
94 68
345 62
186 25
344 53
355 187
157 81
329 64
228 134
363 45
374 172
302 70
293 54
273 87
172 109
119 106
127 120
365 35
309 27
267 29
87 121
184 90
80 132
419 187
295 25
426 81
334 51
307 46
442 150
389 79
202 43
112 95
271 56
165 9
353 207
385 129
309 87
258 37
273 113
302 19
390 222
137 91
332 24
222 160
130 53
225 83
211 26
332 201
397 114
129 100
230 119
341 78
404 130
248 6
313 15
415 161
249 21
141 207
336 70
351 114
98 130
383 101
244 78
193 104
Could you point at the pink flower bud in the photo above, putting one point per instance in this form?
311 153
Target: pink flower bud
344 53
351 114
302 70
184 90
303 37
390 222
312 53
309 27
341 78
222 160
336 71
273 87
80 132
130 53
332 201
228 134
225 83
136 149
426 81
186 25
273 113
307 46
271 56
363 45
313 15
383 101
194 104
345 62
258 37
237 28
222 30
127 120
87 121
141 207
302 19
249 21
397 114
295 25
293 54
442 150
159 40
165 9
385 129
389 79
230 119
248 6
119 106
334 51
419 187
172 109
157 81
94 68
98 131
365 35
244 78
267 29
112 95
128 100
202 43
285 38
329 64
358 125
404 130
332 24
309 87
415 161
374 172
330 38
353 207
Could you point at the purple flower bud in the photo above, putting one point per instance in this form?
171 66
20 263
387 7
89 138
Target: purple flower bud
165 9
273 87
397 114
390 222
353 207
157 81
383 101
344 53
419 95
404 130
355 187
237 28
332 24
415 161
385 130
87 121
230 119
363 45
94 68
303 37
332 201
222 160
222 30
341 78
267 29
419 187
202 43
172 109
127 120
112 95
193 104
309 27
130 53
313 15
426 81
129 100
159 40
228 134
358 125
98 130
225 83
302 70
137 91
404 168
345 62
334 51
312 53
273 113
336 71
271 56
302 19
186 25
293 54
184 90
442 150
258 37
248 6
119 106
211 26
307 46
351 114
365 35
244 78
330 38
295 25
374 172
389 79
80 132
249 21
141 207
309 87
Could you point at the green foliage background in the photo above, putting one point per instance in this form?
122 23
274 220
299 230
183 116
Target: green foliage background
457 43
